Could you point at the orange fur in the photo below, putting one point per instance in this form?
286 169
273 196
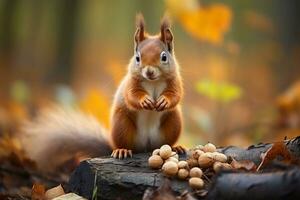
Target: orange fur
150 51
123 128
171 125
173 91
134 94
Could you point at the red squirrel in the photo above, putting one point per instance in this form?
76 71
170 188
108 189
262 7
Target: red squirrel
145 112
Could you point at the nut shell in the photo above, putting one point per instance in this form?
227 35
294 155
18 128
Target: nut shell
196 183
155 161
172 159
165 151
209 147
155 152
199 147
170 168
220 157
197 153
183 173
218 166
192 162
175 155
183 164
196 172
206 160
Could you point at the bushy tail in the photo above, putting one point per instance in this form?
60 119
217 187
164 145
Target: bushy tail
57 135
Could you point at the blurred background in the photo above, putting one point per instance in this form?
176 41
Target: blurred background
240 61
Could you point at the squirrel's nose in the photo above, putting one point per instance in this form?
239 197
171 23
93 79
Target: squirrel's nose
150 73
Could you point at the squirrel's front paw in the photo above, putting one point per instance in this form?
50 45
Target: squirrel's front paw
121 153
162 103
147 103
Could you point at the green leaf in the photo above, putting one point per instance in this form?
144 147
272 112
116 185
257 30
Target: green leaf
94 197
221 92
95 189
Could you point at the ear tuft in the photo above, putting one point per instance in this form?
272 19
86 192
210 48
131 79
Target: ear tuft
140 22
140 28
165 22
165 32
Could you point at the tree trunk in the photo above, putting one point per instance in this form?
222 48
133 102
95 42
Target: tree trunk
129 178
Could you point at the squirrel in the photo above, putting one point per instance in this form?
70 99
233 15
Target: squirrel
145 113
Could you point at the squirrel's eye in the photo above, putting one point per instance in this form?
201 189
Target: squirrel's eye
163 57
138 58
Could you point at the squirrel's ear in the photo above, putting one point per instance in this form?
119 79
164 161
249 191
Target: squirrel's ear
140 29
165 32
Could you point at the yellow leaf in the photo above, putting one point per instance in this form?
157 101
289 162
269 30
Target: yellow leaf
207 23
97 104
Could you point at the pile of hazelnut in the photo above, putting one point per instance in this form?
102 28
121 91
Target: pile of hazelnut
200 158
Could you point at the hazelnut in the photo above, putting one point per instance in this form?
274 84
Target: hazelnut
192 162
170 168
183 164
165 151
209 147
206 160
155 152
197 153
155 161
196 183
196 172
175 155
199 147
172 159
183 173
220 157
218 166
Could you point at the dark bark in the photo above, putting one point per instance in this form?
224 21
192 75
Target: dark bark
129 178
258 186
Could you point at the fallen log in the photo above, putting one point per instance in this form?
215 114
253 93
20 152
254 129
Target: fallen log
258 186
125 179
110 178
254 152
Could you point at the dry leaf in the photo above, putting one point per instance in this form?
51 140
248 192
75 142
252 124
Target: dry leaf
243 164
69 196
277 149
207 23
54 192
38 192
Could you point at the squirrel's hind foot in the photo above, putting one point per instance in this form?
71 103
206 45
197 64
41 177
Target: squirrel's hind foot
121 153
179 149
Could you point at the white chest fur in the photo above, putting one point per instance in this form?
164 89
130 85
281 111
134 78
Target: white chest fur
154 88
148 122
